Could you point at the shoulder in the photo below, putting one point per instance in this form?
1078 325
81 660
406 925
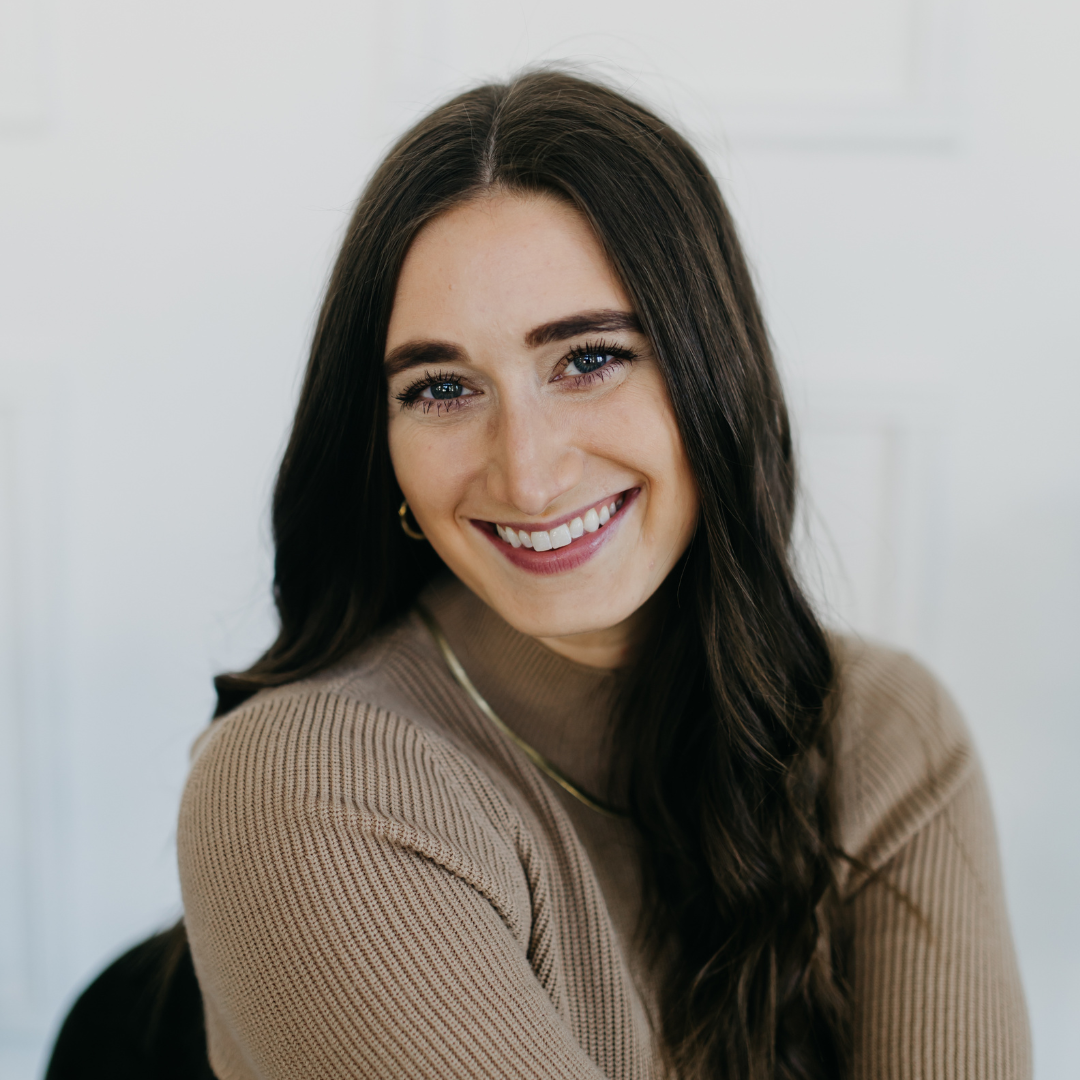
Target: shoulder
392 680
368 746
903 750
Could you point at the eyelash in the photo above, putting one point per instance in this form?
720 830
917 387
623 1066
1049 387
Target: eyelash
618 354
410 396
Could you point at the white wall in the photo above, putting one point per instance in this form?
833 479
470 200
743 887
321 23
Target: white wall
173 180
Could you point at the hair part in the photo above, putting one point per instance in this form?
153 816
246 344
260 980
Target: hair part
722 739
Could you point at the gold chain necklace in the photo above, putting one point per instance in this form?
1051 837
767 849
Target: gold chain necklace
534 755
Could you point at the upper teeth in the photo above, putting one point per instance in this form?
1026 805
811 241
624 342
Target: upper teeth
564 534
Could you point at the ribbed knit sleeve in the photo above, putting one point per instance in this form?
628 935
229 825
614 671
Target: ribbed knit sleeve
936 989
353 910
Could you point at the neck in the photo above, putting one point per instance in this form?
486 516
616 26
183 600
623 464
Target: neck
559 706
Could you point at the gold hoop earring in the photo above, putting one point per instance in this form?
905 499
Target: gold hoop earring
409 531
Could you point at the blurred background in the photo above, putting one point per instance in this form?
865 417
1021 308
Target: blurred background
174 179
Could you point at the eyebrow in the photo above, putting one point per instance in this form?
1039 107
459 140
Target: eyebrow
420 353
584 322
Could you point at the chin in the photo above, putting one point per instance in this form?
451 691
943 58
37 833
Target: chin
567 617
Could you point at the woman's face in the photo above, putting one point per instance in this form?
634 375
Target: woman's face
530 428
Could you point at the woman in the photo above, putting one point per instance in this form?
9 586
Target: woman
552 771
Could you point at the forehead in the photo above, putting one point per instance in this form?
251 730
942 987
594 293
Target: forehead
498 266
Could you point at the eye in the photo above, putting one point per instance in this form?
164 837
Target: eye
441 391
448 388
587 362
592 362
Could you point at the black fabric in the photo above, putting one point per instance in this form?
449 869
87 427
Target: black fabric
141 1018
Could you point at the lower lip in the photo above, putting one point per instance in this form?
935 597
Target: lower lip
559 560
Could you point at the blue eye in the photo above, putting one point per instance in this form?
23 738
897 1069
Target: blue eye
589 362
599 358
438 391
442 390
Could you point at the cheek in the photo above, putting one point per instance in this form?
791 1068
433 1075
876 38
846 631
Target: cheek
432 469
672 509
641 432
682 491
674 502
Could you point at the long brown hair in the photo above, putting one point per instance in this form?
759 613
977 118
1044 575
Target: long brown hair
723 732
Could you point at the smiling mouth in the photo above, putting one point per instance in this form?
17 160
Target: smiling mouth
564 534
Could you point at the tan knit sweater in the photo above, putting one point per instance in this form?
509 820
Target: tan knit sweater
377 883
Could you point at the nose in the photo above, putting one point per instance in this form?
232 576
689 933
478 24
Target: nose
534 459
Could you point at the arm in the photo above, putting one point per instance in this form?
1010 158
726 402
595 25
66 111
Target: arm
936 988
338 931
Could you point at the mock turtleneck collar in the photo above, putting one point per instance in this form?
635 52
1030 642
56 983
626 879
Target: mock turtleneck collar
559 707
